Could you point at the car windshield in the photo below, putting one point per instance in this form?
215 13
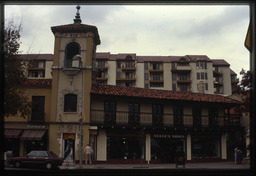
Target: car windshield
53 154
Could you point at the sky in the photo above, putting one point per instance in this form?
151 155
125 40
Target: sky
217 31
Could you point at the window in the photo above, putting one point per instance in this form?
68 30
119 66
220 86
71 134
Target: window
118 74
146 65
206 76
206 86
146 76
70 103
183 88
101 64
173 76
37 108
71 50
173 65
146 85
34 74
156 66
134 113
118 83
128 74
118 64
110 112
157 113
36 64
202 75
156 76
183 77
205 65
128 64
178 114
128 84
198 76
174 87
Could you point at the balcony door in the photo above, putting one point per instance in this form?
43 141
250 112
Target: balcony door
38 108
110 112
157 112
197 116
134 113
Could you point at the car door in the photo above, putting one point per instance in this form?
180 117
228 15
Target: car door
31 158
42 157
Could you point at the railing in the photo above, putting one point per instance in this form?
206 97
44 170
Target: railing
121 118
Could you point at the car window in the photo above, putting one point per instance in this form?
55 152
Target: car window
42 154
32 154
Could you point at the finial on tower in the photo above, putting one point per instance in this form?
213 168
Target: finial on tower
77 20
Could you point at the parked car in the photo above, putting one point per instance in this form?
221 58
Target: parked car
45 159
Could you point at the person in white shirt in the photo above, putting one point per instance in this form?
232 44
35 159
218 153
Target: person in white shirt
88 154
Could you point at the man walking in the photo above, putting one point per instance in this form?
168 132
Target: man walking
88 154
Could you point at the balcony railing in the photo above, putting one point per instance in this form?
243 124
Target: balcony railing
121 118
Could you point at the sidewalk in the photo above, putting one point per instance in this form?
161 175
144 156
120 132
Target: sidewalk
210 165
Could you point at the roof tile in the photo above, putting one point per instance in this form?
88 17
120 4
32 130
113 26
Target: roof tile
159 94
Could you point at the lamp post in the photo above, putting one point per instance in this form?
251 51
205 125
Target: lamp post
79 57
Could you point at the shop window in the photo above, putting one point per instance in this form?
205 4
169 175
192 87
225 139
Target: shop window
110 112
157 113
204 147
134 113
119 147
37 108
70 103
71 50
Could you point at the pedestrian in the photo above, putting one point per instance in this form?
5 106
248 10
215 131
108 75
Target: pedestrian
88 154
239 156
235 150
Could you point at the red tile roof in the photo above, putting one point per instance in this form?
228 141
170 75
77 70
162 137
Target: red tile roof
77 28
159 94
40 83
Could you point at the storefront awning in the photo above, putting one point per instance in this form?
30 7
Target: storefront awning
11 133
31 135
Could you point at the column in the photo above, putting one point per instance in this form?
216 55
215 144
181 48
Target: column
188 147
224 146
102 146
148 148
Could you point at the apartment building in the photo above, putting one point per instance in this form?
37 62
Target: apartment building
129 108
189 73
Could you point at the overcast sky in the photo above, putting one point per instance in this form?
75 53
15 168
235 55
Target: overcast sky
164 30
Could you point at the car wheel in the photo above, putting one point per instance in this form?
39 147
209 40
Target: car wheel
17 164
48 165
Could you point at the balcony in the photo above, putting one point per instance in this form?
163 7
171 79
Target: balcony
128 67
121 118
217 73
182 69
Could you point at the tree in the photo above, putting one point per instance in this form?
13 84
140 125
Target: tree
243 90
15 99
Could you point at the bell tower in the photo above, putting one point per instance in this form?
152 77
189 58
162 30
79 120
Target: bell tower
72 70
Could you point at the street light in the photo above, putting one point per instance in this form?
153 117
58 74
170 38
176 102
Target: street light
79 57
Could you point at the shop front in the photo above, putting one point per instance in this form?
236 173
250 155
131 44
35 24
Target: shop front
125 147
164 147
205 147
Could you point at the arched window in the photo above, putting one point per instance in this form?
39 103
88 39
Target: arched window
71 50
70 103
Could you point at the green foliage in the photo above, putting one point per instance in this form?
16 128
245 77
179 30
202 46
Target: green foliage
244 90
14 97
